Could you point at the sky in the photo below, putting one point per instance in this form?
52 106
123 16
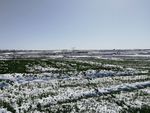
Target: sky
79 24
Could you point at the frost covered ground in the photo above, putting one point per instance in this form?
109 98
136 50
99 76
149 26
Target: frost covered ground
75 85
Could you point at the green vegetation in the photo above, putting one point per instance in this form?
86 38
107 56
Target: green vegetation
133 63
7 105
143 109
64 66
64 85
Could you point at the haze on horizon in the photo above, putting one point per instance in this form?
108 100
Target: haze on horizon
83 24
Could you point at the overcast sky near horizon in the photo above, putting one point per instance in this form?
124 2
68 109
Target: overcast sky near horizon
83 24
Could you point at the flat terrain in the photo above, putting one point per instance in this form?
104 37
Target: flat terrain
77 81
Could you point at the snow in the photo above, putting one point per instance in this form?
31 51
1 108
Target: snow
71 95
146 91
3 110
90 90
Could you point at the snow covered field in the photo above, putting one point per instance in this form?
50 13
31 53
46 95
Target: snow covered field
75 85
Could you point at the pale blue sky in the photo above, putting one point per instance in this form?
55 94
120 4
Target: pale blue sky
84 24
